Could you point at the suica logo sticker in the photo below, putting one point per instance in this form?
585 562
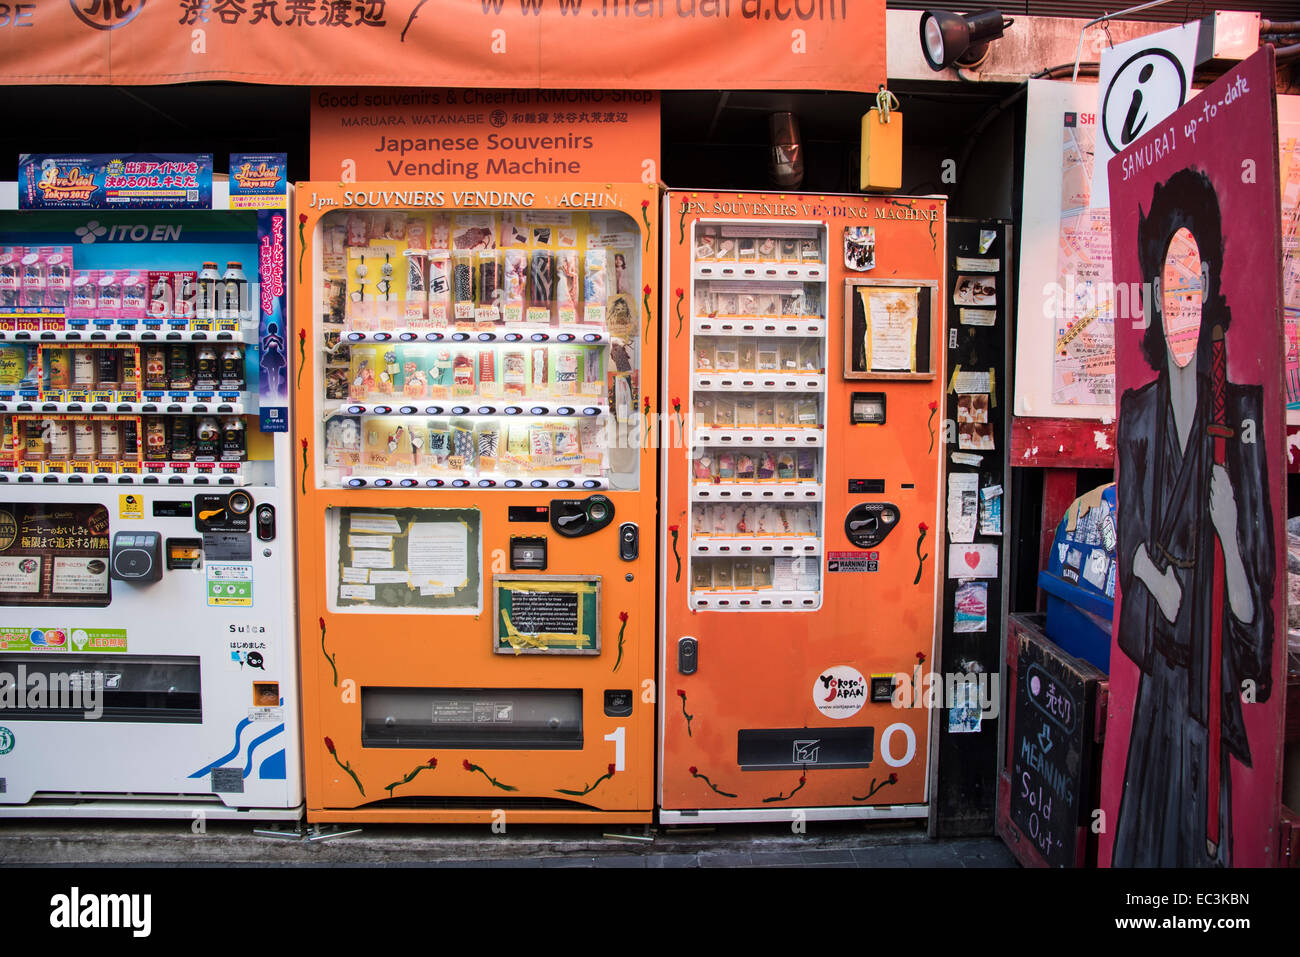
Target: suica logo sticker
106 14
840 692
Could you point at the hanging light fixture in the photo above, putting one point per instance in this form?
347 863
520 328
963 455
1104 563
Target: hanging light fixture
954 39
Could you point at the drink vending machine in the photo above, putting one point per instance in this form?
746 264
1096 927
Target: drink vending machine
801 526
147 652
477 546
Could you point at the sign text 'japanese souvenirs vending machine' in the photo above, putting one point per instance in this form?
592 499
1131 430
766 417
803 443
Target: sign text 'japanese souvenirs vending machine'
477 544
147 657
802 542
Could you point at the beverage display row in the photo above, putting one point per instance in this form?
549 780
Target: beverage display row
36 444
124 371
41 289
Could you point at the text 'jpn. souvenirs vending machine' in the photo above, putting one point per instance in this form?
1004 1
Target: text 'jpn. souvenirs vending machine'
146 564
801 563
477 546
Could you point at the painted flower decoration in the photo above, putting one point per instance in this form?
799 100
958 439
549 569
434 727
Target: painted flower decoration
645 204
622 616
677 404
466 765
681 693
893 779
611 770
433 762
934 406
673 528
803 779
646 290
920 657
693 769
302 217
922 527
679 292
329 746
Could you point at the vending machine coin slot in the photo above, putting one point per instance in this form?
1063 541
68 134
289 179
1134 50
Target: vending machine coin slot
214 512
869 523
574 517
528 552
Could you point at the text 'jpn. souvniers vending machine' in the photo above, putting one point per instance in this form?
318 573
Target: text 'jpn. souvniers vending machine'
477 546
800 508
147 633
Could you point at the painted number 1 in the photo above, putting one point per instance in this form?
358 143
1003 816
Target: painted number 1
617 738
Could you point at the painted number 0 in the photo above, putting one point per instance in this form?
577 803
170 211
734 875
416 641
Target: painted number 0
617 737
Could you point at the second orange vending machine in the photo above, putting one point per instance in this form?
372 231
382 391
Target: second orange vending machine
477 542
801 526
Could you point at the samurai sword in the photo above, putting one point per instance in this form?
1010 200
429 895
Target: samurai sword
1220 431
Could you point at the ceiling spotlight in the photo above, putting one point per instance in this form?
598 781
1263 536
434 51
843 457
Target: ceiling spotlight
951 39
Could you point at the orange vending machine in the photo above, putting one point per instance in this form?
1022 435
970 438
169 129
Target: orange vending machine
802 530
477 548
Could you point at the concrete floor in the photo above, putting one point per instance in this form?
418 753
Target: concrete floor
98 843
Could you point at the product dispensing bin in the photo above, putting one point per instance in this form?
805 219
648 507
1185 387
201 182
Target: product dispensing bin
1080 577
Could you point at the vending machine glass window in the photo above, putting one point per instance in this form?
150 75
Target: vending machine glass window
757 406
479 349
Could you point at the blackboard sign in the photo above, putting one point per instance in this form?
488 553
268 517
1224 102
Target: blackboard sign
547 614
1053 753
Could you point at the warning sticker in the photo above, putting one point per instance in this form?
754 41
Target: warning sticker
230 585
853 561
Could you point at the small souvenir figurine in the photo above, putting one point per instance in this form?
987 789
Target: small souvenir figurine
414 382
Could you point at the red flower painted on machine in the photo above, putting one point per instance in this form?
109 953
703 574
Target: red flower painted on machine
429 765
609 773
672 529
803 779
302 241
921 528
681 295
681 422
885 782
302 354
934 407
304 467
645 218
689 717
695 773
645 303
345 765
330 659
622 627
471 768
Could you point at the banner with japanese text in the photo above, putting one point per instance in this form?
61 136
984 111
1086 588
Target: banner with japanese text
542 44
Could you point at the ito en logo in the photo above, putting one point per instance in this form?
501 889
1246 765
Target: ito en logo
91 231
6 740
106 14
839 692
